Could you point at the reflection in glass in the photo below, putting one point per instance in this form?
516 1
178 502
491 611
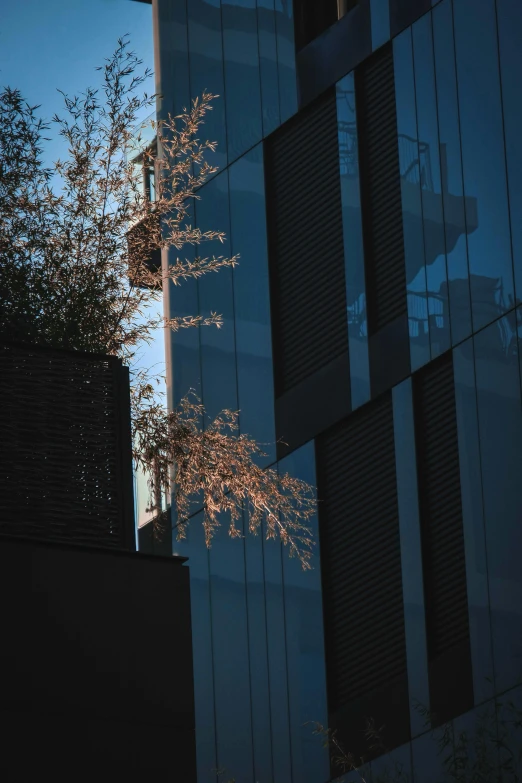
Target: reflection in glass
500 429
305 642
353 243
258 651
411 553
509 15
393 766
242 85
431 188
414 161
252 301
268 64
172 76
380 22
206 70
286 58
473 521
277 666
427 760
218 357
455 211
194 548
230 655
483 159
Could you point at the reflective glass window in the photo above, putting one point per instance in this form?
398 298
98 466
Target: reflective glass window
393 766
411 553
205 38
172 76
483 159
410 155
258 652
455 225
242 85
216 294
353 243
473 521
230 655
268 65
184 364
286 58
194 548
476 743
380 21
509 710
252 301
277 666
427 759
509 15
431 187
305 642
500 431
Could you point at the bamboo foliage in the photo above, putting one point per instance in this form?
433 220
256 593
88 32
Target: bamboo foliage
75 244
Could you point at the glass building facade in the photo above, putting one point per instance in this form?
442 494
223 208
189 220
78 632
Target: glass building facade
261 672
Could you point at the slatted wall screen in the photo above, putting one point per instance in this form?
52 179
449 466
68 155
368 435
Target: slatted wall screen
441 507
381 189
306 244
65 446
360 553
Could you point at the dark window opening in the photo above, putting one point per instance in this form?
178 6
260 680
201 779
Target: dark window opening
313 17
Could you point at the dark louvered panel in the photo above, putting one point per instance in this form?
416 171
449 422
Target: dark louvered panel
306 244
360 549
65 446
441 507
380 175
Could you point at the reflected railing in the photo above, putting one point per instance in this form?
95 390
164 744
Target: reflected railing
414 156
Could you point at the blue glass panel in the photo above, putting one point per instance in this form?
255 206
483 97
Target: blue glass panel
277 667
431 188
409 160
380 21
427 760
353 243
475 741
218 357
510 732
473 522
509 14
230 656
183 354
286 58
268 64
194 548
252 301
172 75
395 766
242 84
258 651
451 175
483 159
500 431
305 642
206 70
411 553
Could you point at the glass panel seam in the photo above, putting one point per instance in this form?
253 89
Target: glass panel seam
505 153
475 398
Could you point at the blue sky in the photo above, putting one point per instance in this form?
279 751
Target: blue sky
50 44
